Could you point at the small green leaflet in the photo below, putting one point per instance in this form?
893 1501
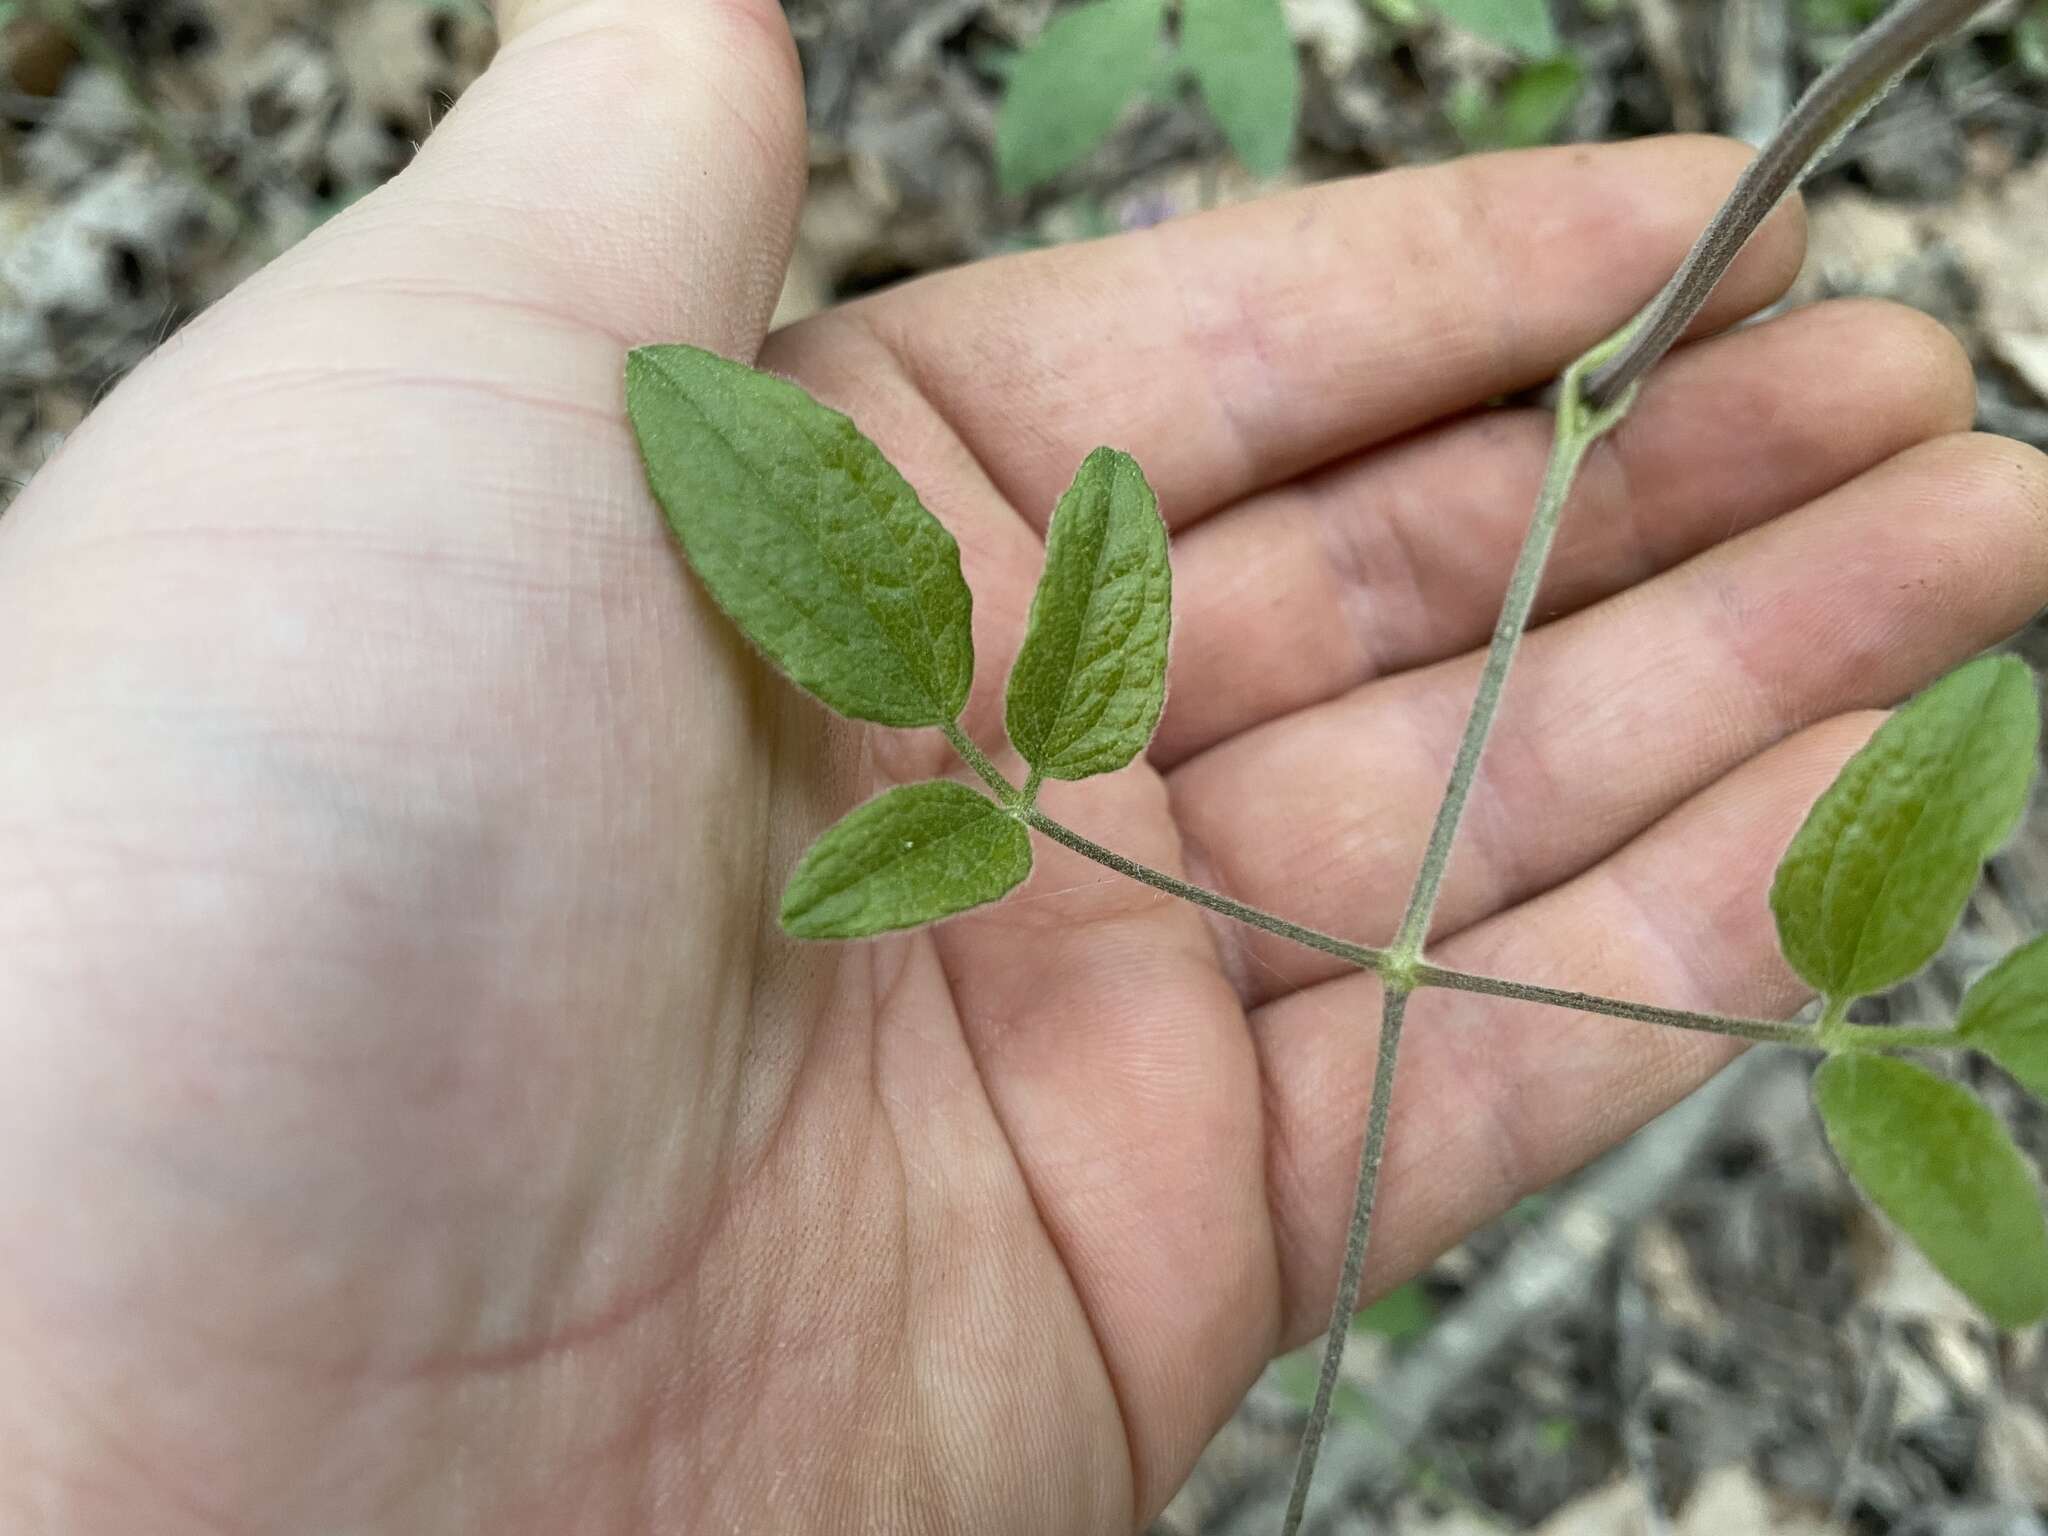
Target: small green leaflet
1528 110
1938 1163
1243 60
1404 1313
1067 90
2030 39
1522 25
906 858
1879 872
1090 680
806 536
2006 1015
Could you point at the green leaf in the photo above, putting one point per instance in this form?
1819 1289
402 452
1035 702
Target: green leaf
1297 1374
906 858
1067 90
1090 681
1939 1164
1404 1313
2005 1015
1529 109
806 536
1879 872
2030 39
1536 102
1243 60
1522 25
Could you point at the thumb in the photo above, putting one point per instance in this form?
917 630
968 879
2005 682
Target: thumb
634 166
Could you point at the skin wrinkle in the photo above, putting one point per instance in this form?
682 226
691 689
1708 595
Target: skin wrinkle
467 295
1473 221
345 378
1214 351
1362 578
152 1474
980 1048
393 214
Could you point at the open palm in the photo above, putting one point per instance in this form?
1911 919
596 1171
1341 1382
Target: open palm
415 1119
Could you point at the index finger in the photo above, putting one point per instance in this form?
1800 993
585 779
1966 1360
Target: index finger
1235 349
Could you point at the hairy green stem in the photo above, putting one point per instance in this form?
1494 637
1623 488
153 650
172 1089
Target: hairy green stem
1393 1013
1578 429
1579 426
1831 107
1888 1037
1763 1031
1366 958
978 760
1872 1037
1360 955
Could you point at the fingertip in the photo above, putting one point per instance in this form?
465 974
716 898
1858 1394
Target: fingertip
644 160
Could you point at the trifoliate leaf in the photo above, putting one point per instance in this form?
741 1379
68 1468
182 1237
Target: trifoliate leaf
906 858
1244 63
1523 25
807 536
1940 1165
1067 90
2005 1015
1878 874
1090 681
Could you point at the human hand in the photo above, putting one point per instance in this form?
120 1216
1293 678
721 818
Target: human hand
415 1119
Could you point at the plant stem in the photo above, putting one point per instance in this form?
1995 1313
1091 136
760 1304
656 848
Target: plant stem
1360 955
1366 958
978 760
1832 106
1579 426
1393 1012
1577 430
1764 1031
1889 1037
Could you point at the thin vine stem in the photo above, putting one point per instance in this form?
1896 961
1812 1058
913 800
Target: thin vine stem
1831 107
1578 428
1837 1036
978 760
1372 1153
1361 955
1367 958
1762 1031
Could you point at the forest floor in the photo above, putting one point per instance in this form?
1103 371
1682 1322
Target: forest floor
1705 1334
